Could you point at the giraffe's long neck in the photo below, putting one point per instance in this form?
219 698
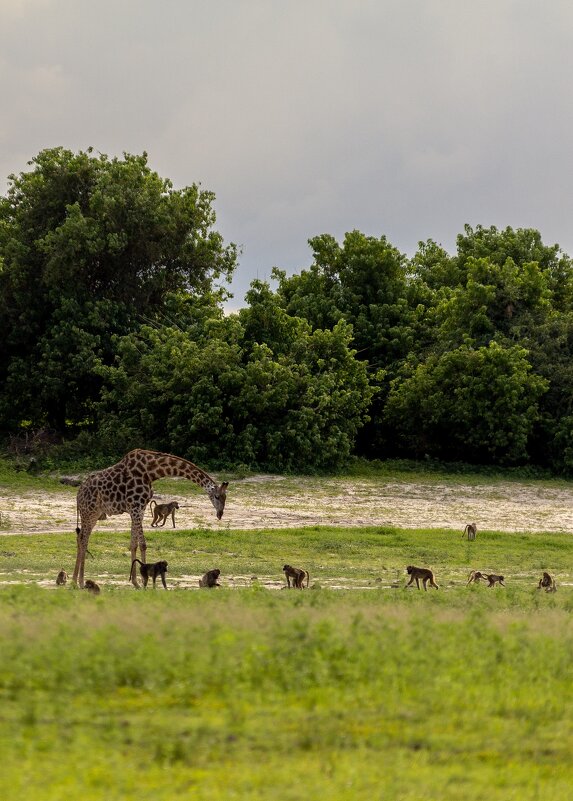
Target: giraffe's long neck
162 465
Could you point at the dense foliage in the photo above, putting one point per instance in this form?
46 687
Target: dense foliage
287 398
88 247
469 354
113 333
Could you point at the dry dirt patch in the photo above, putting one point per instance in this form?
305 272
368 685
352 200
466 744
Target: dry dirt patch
275 502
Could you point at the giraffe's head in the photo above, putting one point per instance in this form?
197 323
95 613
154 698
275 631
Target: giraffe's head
218 495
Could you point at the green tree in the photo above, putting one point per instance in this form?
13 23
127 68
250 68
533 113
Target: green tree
238 392
495 300
475 405
507 286
523 246
89 246
362 281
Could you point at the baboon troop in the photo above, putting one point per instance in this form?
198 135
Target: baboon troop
300 578
470 530
61 578
209 579
297 575
148 571
547 582
162 512
423 574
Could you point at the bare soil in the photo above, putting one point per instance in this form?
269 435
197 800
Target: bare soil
260 502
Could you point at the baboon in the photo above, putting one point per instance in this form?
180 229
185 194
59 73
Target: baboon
493 579
162 512
61 578
70 482
147 570
92 587
476 575
297 575
547 582
209 579
423 573
471 530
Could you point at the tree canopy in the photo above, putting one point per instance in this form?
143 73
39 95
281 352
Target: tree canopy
90 246
114 333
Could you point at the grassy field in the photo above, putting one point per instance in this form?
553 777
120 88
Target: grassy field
247 692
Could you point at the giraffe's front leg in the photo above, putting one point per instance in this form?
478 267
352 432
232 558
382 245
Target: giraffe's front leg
83 536
137 539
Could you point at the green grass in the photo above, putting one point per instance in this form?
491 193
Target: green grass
234 693
366 555
252 693
422 471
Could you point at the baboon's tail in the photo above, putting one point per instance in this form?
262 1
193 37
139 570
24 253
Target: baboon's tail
132 566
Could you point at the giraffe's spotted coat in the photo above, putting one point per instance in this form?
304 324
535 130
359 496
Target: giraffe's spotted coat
127 487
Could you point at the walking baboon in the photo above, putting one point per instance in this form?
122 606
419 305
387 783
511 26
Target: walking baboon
147 570
297 575
547 582
476 575
493 579
423 573
470 530
209 579
61 578
162 512
92 587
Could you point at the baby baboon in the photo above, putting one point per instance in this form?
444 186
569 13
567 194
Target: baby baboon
92 587
423 573
476 575
493 579
162 512
209 578
471 530
547 582
147 570
61 578
297 575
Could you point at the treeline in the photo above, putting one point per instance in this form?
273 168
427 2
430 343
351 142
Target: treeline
114 334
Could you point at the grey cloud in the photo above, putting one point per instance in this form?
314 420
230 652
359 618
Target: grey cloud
407 119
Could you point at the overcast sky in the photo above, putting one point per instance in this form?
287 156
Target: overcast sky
407 118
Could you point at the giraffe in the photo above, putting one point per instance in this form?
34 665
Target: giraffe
126 487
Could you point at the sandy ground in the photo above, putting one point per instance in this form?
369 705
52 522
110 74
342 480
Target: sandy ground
260 502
